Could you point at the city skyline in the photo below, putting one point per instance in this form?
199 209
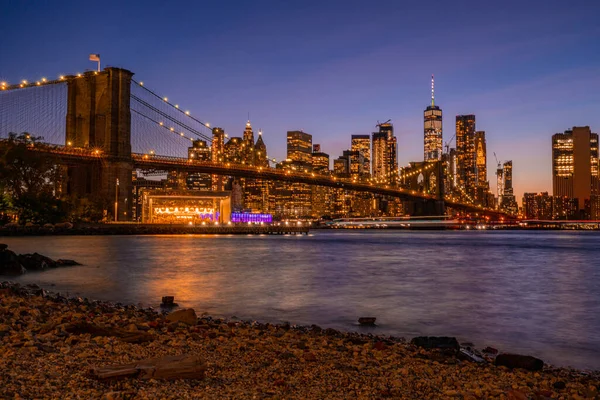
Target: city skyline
521 79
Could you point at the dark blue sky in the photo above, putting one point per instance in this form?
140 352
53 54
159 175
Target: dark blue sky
527 69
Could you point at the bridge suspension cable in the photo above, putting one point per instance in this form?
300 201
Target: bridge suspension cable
174 120
162 125
175 106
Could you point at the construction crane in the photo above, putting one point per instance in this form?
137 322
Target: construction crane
447 145
383 123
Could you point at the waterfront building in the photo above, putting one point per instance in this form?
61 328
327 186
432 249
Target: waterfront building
575 169
385 154
564 208
362 143
432 138
184 207
466 157
537 206
199 151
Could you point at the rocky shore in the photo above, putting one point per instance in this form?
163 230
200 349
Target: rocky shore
55 347
13 264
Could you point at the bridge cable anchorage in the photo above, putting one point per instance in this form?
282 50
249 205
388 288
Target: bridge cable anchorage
172 130
163 99
181 124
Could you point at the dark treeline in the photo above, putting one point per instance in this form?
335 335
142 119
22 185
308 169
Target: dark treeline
31 186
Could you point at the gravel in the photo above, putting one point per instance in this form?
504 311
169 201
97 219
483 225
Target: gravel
245 360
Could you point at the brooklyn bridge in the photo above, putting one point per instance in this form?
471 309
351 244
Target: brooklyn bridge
105 127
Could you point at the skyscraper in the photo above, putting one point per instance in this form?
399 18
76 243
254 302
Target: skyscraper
218 142
260 152
483 186
322 196
320 161
299 146
432 140
575 169
294 199
248 145
508 201
362 143
385 153
465 155
257 191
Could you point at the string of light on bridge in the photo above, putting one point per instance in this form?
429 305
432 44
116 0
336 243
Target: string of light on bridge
162 125
25 83
166 101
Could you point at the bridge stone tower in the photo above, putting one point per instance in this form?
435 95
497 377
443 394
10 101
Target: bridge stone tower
99 117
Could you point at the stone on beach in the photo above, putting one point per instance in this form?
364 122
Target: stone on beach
9 262
66 348
367 320
187 316
436 342
13 264
519 361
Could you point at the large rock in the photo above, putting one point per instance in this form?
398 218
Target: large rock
518 361
9 262
436 342
36 262
187 316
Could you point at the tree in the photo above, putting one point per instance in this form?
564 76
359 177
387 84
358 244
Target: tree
30 180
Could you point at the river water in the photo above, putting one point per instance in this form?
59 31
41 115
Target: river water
536 293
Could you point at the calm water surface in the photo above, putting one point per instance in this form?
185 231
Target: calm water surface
537 293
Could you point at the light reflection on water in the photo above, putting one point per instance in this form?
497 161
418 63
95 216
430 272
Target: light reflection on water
536 293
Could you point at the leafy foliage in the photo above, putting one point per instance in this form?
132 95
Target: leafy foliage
30 179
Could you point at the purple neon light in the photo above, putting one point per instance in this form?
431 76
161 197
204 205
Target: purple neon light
237 217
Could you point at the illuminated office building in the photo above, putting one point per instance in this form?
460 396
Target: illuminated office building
258 192
482 184
218 143
537 206
248 145
466 167
508 202
199 152
385 154
362 143
432 139
299 146
575 169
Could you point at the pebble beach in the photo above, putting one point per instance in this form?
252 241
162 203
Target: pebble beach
44 356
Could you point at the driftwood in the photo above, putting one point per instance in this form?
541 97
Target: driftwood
169 368
96 330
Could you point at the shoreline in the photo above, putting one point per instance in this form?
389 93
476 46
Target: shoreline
244 359
152 229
